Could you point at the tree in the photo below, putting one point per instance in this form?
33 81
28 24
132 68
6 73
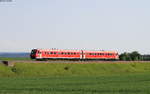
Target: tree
133 56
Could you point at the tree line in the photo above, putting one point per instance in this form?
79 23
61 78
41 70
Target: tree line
133 56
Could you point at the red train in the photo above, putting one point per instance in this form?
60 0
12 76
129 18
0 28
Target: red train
41 54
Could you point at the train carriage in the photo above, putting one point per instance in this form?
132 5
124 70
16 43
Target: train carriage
103 55
55 54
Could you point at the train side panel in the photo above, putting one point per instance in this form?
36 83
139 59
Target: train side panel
73 54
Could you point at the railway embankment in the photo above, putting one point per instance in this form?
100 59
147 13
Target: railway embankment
71 69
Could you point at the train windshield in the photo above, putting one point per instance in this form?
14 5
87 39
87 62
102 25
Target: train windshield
33 51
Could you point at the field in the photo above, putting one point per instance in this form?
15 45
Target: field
65 78
15 58
119 84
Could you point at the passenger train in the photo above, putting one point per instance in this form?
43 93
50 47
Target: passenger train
45 54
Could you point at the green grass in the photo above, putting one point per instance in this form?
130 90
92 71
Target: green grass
114 84
14 58
60 78
63 69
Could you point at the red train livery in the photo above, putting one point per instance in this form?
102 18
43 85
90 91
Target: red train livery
41 54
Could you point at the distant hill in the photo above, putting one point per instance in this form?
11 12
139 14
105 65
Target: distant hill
15 54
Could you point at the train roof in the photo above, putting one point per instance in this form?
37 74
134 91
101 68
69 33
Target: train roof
59 50
90 51
97 51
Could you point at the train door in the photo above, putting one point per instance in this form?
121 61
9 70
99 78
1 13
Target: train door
82 55
39 54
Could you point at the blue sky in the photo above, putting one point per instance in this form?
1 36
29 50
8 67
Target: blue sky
121 25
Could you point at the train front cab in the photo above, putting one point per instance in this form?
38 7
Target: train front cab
33 54
36 54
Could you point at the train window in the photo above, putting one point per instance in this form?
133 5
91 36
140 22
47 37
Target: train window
54 52
101 53
62 53
39 52
74 53
51 52
45 52
59 53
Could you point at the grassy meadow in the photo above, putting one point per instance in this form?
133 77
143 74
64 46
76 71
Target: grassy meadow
64 78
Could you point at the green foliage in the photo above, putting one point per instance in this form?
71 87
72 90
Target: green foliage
133 56
145 57
5 71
